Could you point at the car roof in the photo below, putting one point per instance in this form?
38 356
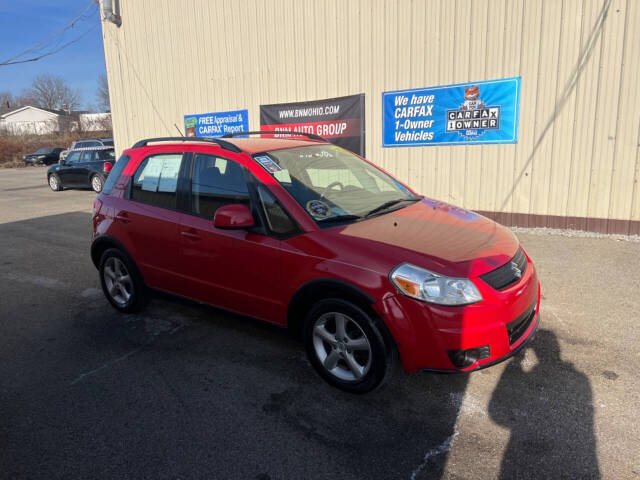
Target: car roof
250 145
253 145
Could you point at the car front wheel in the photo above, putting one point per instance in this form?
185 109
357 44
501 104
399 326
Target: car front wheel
348 347
55 183
97 183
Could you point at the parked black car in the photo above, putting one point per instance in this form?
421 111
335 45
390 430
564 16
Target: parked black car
81 169
46 156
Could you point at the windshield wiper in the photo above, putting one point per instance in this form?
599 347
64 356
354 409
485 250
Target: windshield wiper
339 218
390 204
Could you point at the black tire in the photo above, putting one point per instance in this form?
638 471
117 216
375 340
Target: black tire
56 184
139 295
382 350
97 182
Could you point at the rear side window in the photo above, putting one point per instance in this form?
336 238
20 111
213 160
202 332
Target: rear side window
115 173
156 180
216 182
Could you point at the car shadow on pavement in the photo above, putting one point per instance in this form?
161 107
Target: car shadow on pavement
548 409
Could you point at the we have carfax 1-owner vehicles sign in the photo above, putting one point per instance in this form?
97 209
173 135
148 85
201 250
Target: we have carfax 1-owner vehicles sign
465 113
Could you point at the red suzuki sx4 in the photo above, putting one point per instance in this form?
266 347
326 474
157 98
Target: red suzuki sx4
304 234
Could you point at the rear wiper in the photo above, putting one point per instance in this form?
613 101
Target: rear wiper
339 218
389 204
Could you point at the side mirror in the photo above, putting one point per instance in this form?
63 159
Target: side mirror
62 161
233 216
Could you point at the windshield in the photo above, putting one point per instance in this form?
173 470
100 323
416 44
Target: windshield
332 184
44 150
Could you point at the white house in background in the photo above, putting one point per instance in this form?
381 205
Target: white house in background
40 121
30 120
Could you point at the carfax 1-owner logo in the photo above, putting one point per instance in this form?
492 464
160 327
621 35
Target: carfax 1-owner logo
473 118
472 113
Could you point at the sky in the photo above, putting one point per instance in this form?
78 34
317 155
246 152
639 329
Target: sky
24 23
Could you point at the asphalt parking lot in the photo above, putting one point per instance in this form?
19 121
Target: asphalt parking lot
185 391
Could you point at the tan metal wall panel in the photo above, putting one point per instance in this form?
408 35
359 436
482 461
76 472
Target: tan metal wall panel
577 154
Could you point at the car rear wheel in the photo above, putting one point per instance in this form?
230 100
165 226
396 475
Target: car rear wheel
348 347
97 183
55 183
121 282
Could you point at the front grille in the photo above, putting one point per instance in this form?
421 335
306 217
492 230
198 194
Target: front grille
517 327
509 273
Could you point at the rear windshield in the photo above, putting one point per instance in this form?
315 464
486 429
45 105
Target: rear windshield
115 173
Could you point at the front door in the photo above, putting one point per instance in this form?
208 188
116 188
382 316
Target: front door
67 171
238 270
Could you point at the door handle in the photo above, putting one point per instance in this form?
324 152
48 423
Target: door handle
123 217
191 234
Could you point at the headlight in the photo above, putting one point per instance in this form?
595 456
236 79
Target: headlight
433 288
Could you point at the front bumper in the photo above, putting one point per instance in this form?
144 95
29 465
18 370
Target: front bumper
427 334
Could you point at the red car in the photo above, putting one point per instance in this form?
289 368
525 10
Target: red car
305 234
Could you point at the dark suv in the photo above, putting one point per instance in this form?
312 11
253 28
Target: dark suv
81 169
305 234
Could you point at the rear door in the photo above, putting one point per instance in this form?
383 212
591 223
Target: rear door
150 218
238 270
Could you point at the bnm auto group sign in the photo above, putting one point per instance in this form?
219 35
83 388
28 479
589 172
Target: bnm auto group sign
339 120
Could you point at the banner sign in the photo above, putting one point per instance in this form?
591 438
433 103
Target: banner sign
339 120
461 114
216 124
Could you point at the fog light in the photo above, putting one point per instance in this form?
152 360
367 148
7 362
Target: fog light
465 358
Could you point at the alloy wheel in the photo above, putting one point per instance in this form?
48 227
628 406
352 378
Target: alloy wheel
341 346
53 182
118 281
96 183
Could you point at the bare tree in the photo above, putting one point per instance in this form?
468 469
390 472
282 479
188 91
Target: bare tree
103 94
7 102
52 92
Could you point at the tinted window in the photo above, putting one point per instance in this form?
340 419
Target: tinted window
277 219
43 151
115 173
73 157
216 182
156 180
107 143
90 156
106 155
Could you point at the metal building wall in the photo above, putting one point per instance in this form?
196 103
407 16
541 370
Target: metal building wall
577 161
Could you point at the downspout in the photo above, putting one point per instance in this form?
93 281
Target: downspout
109 14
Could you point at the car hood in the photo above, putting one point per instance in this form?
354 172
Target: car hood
430 234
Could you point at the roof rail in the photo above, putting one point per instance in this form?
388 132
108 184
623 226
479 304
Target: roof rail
226 145
284 132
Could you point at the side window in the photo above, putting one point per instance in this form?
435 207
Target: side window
73 157
156 180
115 173
278 220
216 182
89 156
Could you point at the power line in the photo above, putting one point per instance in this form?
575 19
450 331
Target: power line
51 52
52 41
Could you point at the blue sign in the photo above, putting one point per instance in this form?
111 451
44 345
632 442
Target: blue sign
216 124
461 114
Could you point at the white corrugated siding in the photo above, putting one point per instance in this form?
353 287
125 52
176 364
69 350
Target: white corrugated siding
577 154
